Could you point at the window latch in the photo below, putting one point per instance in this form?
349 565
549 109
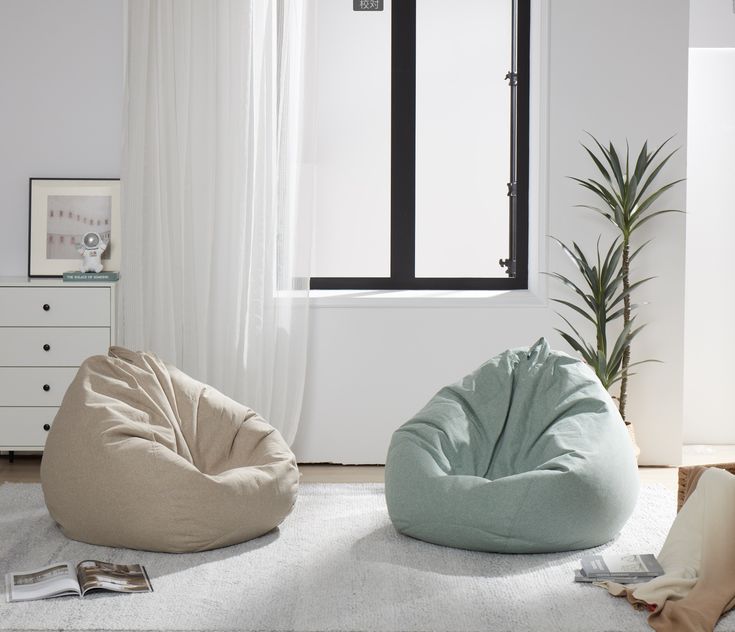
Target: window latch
512 77
509 265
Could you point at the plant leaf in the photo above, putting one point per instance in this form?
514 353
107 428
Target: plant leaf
652 215
576 308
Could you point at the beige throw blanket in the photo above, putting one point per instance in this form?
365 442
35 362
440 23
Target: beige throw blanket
698 558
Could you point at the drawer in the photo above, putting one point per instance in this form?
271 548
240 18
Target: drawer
54 306
25 386
51 346
23 428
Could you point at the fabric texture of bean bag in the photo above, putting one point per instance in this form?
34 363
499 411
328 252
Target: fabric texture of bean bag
142 456
528 454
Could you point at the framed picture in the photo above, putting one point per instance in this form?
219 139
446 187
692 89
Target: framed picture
61 211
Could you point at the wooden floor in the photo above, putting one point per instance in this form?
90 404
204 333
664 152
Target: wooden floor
26 468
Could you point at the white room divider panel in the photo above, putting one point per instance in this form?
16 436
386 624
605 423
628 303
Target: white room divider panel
710 296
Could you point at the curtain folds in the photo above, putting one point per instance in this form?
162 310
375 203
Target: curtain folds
215 224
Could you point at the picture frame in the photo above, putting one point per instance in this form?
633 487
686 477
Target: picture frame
60 211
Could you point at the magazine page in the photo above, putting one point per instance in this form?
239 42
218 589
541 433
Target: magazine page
95 575
628 565
51 581
641 564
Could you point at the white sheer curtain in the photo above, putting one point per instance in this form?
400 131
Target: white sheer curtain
216 234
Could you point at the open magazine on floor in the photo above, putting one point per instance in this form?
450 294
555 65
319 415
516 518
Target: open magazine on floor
67 578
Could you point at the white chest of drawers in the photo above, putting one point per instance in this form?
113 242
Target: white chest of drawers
47 329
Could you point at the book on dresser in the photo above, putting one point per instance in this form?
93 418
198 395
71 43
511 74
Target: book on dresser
91 277
67 579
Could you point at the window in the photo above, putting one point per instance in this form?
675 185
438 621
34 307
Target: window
422 145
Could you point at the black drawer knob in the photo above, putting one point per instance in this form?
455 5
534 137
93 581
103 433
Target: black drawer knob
46 307
46 387
47 347
46 427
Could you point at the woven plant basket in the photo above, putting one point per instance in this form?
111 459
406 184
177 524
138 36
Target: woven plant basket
688 478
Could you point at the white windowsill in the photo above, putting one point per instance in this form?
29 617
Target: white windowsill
424 298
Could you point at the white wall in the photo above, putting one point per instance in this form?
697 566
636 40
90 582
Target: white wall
60 103
710 302
712 24
634 91
372 367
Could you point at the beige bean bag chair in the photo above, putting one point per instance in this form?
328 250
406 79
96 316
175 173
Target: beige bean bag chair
142 456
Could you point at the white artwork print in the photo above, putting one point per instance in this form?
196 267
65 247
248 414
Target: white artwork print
70 217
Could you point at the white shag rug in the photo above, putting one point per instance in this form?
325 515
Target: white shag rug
335 564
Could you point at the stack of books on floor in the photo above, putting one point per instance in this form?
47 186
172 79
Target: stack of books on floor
622 569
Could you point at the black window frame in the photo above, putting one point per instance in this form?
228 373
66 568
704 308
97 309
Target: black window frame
403 167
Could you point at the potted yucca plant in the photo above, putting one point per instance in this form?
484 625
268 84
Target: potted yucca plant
600 299
626 197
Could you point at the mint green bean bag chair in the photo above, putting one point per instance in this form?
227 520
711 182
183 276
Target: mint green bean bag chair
528 454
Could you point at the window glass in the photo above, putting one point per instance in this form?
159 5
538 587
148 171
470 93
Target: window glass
351 89
463 52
